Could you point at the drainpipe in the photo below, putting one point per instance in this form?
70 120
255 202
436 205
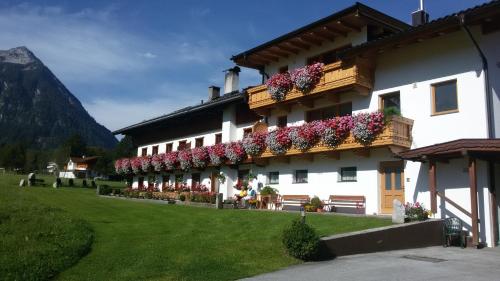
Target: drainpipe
490 125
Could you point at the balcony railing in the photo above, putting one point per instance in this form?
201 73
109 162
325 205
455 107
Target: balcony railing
337 76
396 135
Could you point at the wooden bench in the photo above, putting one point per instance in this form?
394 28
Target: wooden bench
294 200
350 201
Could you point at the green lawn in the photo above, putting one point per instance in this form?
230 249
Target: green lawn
144 241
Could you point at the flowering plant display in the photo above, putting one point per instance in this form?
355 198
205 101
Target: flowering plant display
217 153
334 131
170 160
168 188
200 157
125 166
415 212
199 188
157 162
146 163
279 85
279 140
118 166
366 126
255 143
305 136
185 159
136 165
305 78
235 152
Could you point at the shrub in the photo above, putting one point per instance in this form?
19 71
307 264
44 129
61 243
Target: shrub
267 190
182 197
415 212
71 182
105 189
116 191
301 240
316 203
203 197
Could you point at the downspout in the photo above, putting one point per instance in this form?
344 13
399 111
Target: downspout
491 129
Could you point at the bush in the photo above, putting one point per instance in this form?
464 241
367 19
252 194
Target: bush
116 191
415 212
301 241
267 190
203 197
182 197
105 189
71 182
316 203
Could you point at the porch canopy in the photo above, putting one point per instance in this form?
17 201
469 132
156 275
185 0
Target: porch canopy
473 149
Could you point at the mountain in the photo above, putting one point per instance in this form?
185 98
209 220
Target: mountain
37 109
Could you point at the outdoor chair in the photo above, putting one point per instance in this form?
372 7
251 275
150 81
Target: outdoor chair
453 229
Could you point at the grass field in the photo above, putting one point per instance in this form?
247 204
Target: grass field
144 241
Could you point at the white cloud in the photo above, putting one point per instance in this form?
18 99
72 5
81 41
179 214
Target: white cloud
147 55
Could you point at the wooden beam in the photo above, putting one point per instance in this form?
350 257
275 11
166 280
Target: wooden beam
324 35
288 49
333 154
333 97
277 52
284 108
299 43
308 156
363 152
473 201
267 57
349 25
432 185
258 60
334 30
261 162
309 103
312 39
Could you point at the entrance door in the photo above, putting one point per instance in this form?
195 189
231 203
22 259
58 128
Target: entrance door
391 184
214 182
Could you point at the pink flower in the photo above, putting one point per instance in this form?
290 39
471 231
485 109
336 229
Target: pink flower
170 160
235 152
279 85
185 159
217 154
199 157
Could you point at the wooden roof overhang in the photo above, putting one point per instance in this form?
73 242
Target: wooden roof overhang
485 149
487 15
329 28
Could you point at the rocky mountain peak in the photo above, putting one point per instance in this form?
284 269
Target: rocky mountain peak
18 55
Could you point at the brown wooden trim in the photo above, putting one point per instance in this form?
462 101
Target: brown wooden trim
473 200
432 185
433 98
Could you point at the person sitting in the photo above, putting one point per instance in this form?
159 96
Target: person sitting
241 195
251 194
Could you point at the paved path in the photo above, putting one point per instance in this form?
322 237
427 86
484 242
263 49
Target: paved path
433 263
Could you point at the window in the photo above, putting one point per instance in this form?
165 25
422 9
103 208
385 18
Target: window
169 147
165 180
243 175
178 181
348 174
247 132
444 97
218 138
195 179
281 121
283 69
141 182
300 176
155 150
274 178
390 100
329 112
328 57
182 145
198 142
144 151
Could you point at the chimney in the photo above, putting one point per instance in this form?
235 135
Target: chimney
232 80
213 92
420 16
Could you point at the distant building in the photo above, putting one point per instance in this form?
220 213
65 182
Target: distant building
79 167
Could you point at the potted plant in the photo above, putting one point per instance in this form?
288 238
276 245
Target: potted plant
235 152
185 159
217 154
136 165
157 162
279 85
366 126
334 131
255 143
279 141
170 160
199 157
305 78
304 137
317 204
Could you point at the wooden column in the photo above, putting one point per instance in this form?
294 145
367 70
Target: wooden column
473 201
432 185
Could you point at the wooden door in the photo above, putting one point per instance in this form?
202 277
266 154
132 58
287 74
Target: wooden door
214 182
391 184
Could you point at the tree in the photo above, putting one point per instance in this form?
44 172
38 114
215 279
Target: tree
76 145
125 148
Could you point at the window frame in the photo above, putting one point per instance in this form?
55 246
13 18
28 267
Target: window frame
182 145
340 178
382 96
198 142
218 138
433 97
144 151
247 131
198 176
155 150
269 177
169 147
295 173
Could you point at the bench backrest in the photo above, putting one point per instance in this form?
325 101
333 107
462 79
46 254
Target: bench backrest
347 198
295 197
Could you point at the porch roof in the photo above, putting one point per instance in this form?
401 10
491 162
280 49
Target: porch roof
480 148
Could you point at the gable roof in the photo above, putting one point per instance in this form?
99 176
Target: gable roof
436 27
222 100
341 23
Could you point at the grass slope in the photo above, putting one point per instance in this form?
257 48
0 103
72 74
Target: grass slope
143 241
38 241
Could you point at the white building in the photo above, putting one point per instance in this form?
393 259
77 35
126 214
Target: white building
433 72
79 167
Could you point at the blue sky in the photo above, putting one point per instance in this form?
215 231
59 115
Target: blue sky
132 60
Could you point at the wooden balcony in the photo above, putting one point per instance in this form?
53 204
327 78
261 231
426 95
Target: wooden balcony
339 76
396 136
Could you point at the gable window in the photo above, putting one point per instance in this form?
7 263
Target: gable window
144 151
300 176
155 150
218 138
444 97
390 100
274 178
348 174
281 121
247 132
169 147
328 112
198 142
